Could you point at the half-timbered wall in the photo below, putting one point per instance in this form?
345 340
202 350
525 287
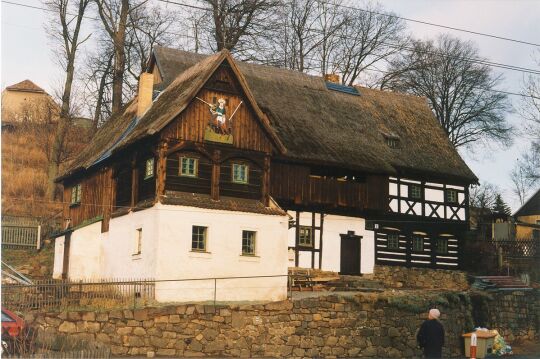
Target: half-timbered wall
433 200
95 196
434 249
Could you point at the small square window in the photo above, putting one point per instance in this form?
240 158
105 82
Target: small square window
441 246
248 243
138 242
76 193
149 168
198 238
305 239
417 243
415 191
240 173
188 166
451 196
393 241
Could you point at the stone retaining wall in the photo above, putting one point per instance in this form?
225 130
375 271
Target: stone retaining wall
361 325
403 277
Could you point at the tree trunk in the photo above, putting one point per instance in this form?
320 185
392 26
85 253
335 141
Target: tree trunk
119 58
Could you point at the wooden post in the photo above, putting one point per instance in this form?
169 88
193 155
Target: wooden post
161 170
297 239
65 261
216 169
134 181
312 235
108 200
266 182
321 241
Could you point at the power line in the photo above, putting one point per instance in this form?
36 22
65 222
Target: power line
492 64
396 46
433 24
473 60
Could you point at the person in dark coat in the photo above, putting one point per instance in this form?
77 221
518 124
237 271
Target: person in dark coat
430 337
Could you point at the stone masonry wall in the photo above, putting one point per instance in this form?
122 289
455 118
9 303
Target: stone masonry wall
403 277
361 325
516 314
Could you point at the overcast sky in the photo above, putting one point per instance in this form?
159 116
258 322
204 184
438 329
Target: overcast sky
26 54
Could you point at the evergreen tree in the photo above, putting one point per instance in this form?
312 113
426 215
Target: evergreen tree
500 206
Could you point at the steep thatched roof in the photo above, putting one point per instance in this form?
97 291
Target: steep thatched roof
312 123
319 125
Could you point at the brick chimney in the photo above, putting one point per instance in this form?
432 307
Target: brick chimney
146 89
332 78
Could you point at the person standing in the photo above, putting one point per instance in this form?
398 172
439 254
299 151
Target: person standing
430 337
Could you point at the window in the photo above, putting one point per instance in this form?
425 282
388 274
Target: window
188 166
138 242
305 237
417 243
149 168
393 241
240 173
198 238
76 194
415 191
451 196
441 246
248 243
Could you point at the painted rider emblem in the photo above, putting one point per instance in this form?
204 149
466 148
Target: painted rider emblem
219 127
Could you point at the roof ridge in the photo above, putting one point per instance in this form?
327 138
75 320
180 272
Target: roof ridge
25 85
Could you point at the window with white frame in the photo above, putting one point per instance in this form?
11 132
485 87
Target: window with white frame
392 241
304 237
76 193
240 173
248 243
149 168
189 166
137 245
198 238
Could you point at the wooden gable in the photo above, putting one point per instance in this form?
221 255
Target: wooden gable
240 129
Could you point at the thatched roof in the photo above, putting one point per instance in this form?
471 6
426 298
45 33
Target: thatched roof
25 86
312 123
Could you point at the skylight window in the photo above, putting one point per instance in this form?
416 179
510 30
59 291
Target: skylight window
342 88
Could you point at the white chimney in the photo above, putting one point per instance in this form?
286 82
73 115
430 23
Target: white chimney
146 89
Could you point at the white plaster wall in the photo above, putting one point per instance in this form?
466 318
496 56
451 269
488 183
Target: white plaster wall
58 257
223 257
85 252
118 246
333 226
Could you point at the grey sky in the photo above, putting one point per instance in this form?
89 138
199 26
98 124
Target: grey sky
26 54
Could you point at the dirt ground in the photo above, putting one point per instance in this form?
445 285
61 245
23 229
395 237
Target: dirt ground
527 349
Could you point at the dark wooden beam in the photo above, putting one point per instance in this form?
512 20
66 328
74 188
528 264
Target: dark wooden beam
321 240
216 168
297 239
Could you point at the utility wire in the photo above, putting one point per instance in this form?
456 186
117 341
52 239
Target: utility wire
396 46
492 64
432 24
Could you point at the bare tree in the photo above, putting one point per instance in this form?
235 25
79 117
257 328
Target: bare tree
332 19
238 25
367 38
459 88
65 28
115 16
483 196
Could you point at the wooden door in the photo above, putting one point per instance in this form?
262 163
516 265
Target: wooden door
350 254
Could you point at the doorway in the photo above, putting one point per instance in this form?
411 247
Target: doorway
350 253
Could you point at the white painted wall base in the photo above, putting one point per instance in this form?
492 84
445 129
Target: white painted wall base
333 226
166 254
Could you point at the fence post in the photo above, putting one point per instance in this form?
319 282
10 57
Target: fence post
38 237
